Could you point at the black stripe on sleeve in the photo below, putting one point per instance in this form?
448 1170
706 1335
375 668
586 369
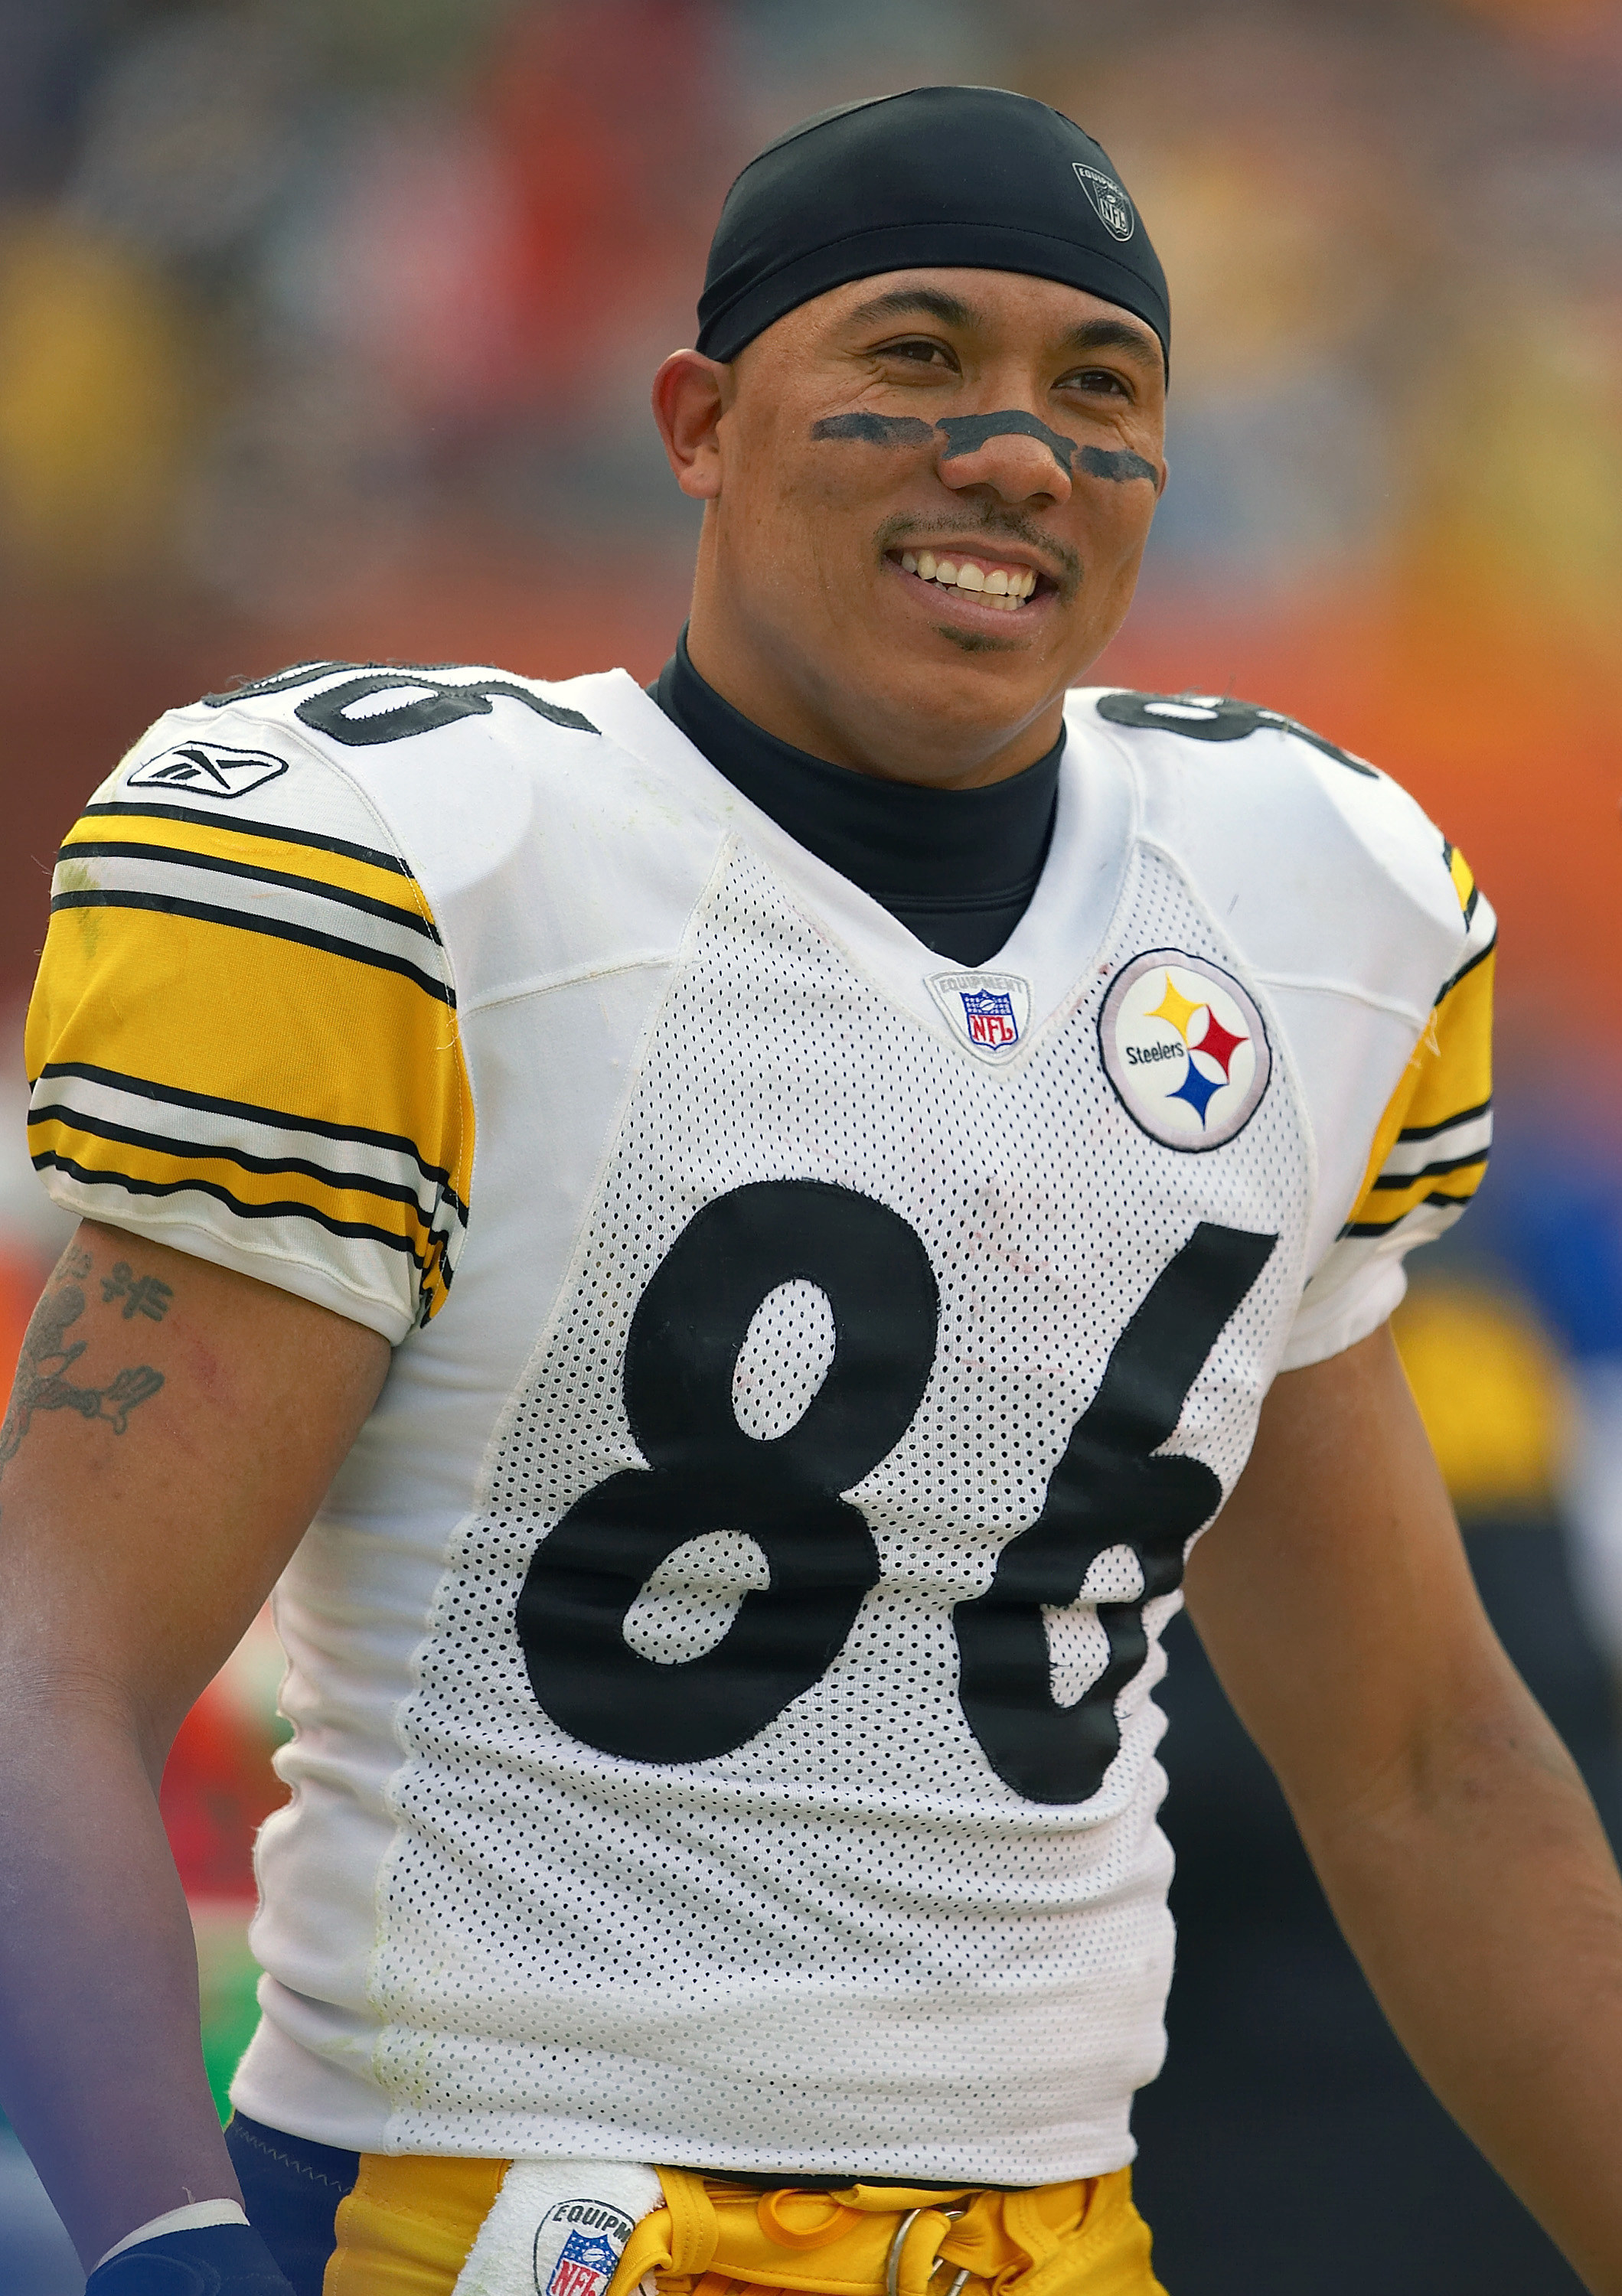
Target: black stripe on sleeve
50 1161
267 1167
388 912
1429 1131
1466 969
280 1120
1396 1181
371 854
169 905
1384 1228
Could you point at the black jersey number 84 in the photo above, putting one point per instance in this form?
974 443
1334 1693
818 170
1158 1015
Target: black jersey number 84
705 1473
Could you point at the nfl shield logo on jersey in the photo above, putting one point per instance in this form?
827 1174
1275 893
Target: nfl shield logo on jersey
990 1019
989 1011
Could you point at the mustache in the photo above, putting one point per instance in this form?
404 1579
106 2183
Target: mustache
1061 563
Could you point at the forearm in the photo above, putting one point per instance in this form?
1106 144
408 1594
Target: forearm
1484 1905
101 2059
172 1429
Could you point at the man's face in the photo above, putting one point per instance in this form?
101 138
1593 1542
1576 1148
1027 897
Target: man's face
929 498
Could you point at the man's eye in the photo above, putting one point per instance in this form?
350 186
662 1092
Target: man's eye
917 348
1096 379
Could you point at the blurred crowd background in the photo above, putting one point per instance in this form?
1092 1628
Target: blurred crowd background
326 329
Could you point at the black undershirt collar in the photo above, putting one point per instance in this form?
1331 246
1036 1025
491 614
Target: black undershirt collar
956 867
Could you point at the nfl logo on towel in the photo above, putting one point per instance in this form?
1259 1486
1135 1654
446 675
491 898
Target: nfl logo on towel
584 2266
545 2236
577 2249
989 1011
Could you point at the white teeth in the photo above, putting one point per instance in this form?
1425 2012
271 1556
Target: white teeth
1007 591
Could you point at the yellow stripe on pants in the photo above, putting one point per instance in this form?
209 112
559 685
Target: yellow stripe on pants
406 2228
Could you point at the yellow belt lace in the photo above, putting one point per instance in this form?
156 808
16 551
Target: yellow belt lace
406 2228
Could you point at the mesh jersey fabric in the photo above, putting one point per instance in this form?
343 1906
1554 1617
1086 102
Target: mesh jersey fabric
947 1877
896 1902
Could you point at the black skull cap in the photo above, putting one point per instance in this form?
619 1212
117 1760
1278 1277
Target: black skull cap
969 177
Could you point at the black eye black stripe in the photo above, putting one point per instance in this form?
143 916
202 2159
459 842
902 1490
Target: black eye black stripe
966 434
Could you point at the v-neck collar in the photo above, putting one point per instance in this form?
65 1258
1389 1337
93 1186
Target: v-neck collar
1055 948
958 867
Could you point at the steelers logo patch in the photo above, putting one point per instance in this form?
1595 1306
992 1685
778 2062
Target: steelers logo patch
1185 1048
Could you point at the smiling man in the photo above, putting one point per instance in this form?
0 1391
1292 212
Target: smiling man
925 1156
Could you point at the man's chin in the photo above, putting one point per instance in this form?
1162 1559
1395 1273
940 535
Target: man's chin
939 717
981 642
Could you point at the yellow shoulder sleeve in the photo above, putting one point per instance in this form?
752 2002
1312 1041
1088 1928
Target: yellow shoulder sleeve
1434 1138
243 1041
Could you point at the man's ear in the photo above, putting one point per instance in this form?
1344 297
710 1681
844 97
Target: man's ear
690 397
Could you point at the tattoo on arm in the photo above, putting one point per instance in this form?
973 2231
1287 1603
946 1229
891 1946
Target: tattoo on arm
142 1295
48 1356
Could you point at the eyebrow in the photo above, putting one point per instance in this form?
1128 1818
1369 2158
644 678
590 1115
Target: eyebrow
1114 335
901 301
952 311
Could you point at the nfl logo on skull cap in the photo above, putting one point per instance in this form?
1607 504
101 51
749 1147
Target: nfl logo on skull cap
1185 1047
1110 202
989 1011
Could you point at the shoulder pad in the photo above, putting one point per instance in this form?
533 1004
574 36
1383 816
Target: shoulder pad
362 703
368 751
1321 865
1215 718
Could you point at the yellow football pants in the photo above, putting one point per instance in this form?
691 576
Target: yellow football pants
406 2228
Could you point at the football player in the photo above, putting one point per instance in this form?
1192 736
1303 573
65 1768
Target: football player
731 1251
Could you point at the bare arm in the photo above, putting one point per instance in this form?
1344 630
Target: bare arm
1448 1823
172 1430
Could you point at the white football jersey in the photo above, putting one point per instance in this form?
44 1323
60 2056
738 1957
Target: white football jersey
722 1671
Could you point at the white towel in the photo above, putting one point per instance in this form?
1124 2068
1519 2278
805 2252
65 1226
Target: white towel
558 2228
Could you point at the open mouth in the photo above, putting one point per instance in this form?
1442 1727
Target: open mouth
1001 585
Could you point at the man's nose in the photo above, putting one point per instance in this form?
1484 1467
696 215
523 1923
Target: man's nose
1012 464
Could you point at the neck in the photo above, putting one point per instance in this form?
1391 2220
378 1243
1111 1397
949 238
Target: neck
957 867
